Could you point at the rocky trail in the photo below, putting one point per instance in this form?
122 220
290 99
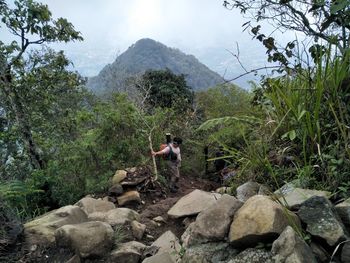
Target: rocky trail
153 203
141 221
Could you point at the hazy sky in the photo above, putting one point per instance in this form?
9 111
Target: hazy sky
203 28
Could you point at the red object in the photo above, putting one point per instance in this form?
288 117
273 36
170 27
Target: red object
161 148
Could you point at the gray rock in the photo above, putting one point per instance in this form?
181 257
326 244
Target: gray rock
289 247
116 190
343 210
321 219
41 230
89 239
138 229
297 196
345 253
159 219
168 243
260 220
247 190
264 190
92 205
193 203
121 216
215 252
129 252
128 197
119 176
320 253
253 255
74 259
159 258
213 223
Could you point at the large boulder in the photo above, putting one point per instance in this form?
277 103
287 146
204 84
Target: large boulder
89 239
296 196
193 203
321 220
209 252
260 220
289 247
247 190
41 230
213 223
91 205
253 255
130 252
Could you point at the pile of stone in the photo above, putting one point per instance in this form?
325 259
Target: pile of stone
291 225
127 184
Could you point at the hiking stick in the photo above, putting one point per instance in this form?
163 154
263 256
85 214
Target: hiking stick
155 178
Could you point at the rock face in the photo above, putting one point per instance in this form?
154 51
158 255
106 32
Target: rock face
294 198
41 230
259 219
193 203
289 247
213 223
321 220
91 205
88 239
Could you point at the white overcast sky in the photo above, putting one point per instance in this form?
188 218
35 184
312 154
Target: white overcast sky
203 28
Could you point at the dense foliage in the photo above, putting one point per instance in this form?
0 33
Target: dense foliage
164 89
59 142
298 131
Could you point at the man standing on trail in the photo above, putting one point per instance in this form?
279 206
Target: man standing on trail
173 161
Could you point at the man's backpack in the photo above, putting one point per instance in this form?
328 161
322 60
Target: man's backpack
169 156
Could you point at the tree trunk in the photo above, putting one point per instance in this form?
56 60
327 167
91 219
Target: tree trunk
36 161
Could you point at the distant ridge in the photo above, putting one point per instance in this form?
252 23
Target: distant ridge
147 54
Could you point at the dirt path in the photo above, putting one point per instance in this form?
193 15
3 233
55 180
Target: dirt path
156 205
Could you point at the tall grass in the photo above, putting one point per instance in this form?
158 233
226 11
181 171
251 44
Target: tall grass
303 131
308 113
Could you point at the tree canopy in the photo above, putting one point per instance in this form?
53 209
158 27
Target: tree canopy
31 23
162 88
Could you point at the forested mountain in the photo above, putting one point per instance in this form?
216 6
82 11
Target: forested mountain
147 54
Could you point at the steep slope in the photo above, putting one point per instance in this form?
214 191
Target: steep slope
147 54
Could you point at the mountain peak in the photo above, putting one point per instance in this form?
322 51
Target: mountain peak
148 54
